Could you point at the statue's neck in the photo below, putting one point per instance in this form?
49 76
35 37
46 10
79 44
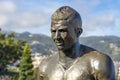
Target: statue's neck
72 52
67 57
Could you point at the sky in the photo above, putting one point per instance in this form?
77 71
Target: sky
99 17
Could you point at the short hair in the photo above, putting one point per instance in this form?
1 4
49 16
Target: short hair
67 14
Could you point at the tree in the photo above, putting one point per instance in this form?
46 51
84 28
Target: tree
26 67
10 49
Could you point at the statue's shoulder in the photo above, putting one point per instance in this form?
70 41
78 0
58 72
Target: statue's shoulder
92 55
100 63
47 61
43 63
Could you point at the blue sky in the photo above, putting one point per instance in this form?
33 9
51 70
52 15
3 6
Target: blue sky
99 17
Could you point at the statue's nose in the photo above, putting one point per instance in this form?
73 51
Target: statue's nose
57 35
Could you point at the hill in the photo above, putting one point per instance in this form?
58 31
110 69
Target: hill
106 44
43 44
39 43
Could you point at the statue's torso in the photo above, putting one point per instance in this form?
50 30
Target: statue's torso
79 70
74 72
92 65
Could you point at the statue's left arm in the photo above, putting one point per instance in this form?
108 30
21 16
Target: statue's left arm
104 68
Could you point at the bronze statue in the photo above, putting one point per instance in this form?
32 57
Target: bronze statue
74 61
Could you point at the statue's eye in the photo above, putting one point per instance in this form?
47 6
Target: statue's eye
53 31
63 30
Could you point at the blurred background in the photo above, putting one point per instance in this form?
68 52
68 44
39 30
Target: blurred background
30 20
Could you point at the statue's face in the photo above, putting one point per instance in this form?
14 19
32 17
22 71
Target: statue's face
63 35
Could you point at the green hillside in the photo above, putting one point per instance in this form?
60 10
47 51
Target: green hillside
38 43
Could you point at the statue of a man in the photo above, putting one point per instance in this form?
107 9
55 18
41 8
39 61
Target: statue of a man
74 61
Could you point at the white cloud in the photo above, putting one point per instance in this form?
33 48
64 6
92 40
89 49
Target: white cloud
31 19
23 21
101 24
101 20
98 16
7 7
3 20
13 19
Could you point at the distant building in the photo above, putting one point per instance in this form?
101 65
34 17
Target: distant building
117 68
37 58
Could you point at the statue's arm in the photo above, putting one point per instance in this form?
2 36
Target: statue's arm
41 76
41 70
104 69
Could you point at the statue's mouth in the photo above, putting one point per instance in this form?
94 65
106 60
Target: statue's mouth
59 43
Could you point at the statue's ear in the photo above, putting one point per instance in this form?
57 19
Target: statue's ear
79 31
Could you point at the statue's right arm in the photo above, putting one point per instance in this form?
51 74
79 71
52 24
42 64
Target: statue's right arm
39 75
41 70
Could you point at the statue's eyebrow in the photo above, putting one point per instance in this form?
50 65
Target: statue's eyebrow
63 28
53 29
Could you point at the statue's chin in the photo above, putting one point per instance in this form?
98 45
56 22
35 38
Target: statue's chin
60 47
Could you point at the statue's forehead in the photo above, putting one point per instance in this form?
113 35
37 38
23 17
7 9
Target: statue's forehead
59 26
59 22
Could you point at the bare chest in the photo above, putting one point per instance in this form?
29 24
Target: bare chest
76 71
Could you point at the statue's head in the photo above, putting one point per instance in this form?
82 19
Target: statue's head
66 27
